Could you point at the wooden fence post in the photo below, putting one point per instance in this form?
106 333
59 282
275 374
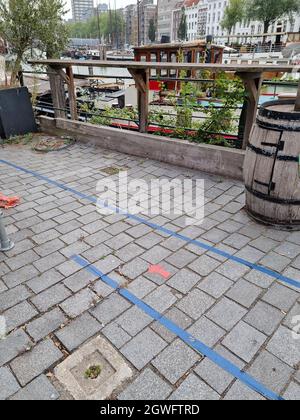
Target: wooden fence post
253 83
72 93
141 78
57 92
297 106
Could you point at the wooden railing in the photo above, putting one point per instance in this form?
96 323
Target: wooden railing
60 72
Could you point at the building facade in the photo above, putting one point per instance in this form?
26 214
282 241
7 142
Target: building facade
164 18
191 12
82 10
148 11
131 25
176 19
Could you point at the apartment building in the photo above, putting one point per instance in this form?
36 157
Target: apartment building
148 11
82 9
191 12
164 18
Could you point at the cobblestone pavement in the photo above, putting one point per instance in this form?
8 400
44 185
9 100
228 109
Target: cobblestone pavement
52 306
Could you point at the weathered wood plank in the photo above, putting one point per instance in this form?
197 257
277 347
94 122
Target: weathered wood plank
241 68
141 78
297 106
72 94
58 92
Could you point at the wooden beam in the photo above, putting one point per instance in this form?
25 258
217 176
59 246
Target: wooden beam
57 92
72 94
141 78
253 83
240 68
297 106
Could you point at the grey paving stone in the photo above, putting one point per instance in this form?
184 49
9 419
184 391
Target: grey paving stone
271 372
79 280
214 375
108 264
244 341
78 331
49 247
14 278
148 387
102 289
161 298
259 279
184 281
206 331
176 316
264 244
215 285
281 297
143 348
116 335
19 315
204 265
3 288
194 389
232 270
129 252
13 345
40 389
133 320
181 258
196 303
110 308
51 261
275 261
134 268
175 361
46 324
226 313
285 347
288 249
96 253
8 384
33 363
156 254
12 297
215 235
240 392
139 231
44 281
250 254
79 303
264 318
244 293
149 241
293 316
236 240
21 260
293 392
141 287
50 297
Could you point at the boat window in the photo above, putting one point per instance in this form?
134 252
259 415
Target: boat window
153 60
173 59
143 58
164 59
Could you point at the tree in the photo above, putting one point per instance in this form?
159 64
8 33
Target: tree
269 11
152 30
53 34
25 24
19 21
182 30
110 26
234 13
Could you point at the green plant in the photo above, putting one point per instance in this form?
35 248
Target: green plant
93 372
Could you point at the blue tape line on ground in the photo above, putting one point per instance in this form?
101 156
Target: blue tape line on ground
197 345
155 226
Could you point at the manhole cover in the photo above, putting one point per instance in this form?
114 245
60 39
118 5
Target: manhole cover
111 368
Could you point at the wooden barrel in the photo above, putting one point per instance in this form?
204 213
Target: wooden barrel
272 166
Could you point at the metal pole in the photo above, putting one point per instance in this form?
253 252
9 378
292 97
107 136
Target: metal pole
5 243
139 22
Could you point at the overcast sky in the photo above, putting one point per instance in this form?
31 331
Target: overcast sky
119 3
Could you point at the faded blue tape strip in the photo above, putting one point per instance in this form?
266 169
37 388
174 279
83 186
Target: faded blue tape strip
139 219
197 345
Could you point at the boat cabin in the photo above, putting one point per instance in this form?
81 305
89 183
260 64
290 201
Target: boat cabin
184 52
